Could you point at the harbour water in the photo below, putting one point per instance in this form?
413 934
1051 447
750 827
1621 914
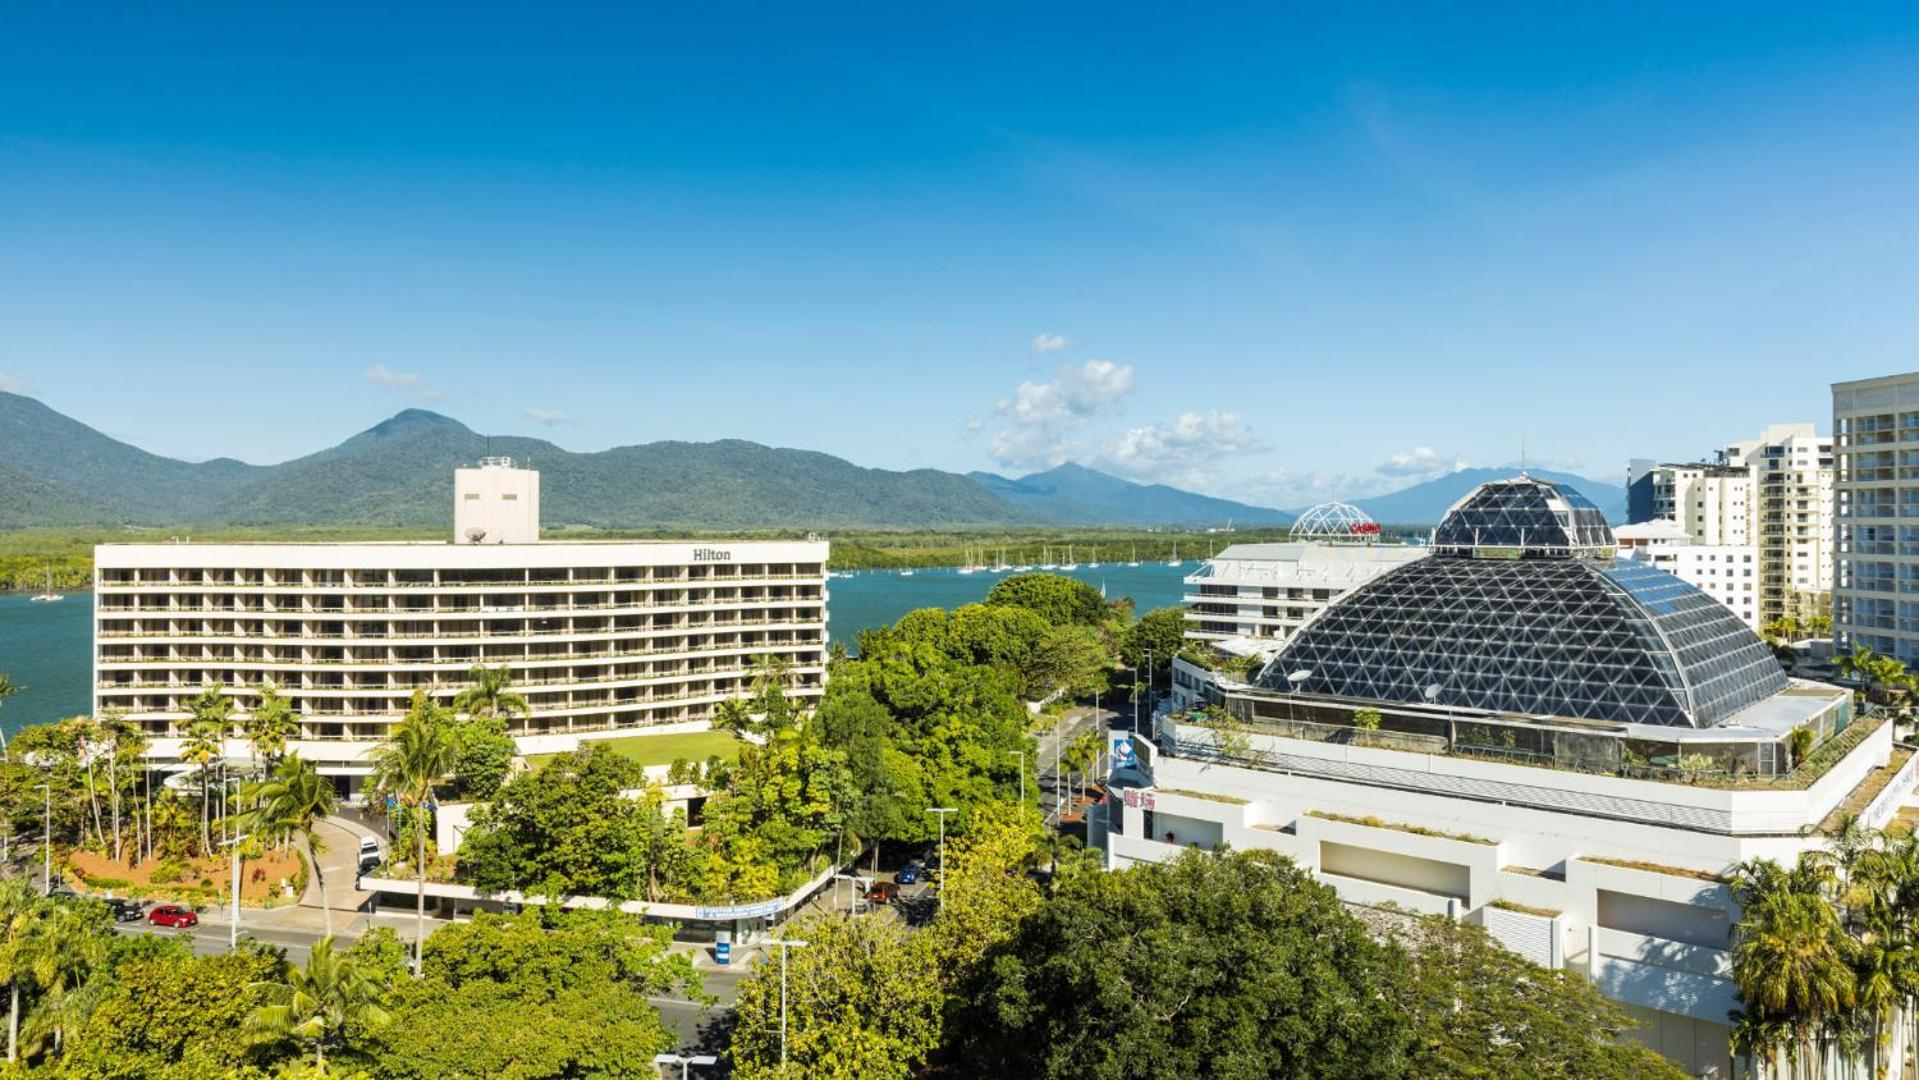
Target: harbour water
47 648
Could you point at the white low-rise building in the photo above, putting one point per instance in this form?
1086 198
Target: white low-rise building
1266 591
599 637
1524 732
1729 573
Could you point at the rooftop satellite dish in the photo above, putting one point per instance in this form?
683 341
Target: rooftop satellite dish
475 534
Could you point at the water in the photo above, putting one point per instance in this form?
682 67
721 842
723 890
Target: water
47 648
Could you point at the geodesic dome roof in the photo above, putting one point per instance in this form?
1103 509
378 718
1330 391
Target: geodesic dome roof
1336 522
1524 515
1535 626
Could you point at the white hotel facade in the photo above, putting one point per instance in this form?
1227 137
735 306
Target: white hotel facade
600 637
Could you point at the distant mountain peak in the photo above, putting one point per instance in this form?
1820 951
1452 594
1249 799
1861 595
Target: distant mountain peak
412 422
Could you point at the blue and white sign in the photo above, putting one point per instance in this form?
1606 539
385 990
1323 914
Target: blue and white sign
723 952
1123 757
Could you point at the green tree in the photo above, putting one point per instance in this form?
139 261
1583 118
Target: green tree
1071 660
490 694
1789 961
167 1014
317 1003
565 829
483 755
780 806
1159 633
291 803
1480 1010
545 993
205 747
270 725
21 909
417 756
1235 966
63 945
859 1005
1060 600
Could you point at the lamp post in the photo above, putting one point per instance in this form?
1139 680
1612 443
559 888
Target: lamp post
684 1060
784 944
1021 755
942 811
233 926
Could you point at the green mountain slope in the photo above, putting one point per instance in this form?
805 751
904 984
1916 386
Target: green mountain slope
1076 495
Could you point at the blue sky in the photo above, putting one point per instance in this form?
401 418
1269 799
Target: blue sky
1265 252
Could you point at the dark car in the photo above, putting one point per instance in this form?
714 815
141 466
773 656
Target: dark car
883 892
910 874
173 915
124 910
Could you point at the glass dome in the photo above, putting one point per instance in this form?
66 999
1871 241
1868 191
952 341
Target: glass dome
1512 614
1523 518
1335 522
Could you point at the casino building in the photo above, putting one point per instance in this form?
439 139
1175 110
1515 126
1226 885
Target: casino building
600 637
1521 731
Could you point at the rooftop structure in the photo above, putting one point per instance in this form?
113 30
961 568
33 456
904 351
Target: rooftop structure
1522 609
1335 523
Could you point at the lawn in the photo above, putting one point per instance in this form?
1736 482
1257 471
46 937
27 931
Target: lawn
665 749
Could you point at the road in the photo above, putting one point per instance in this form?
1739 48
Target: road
1056 739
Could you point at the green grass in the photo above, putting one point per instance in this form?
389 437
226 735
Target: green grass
665 749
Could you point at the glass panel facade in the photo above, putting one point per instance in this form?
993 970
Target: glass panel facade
1521 609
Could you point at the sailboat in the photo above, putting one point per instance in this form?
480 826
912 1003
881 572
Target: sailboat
48 596
1094 565
1175 560
1069 564
1045 559
967 567
906 571
1002 566
1135 561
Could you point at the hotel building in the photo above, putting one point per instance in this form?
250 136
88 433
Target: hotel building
600 637
1773 494
1524 732
1875 425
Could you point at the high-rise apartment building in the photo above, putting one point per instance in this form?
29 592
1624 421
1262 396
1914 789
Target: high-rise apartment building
1729 573
598 636
1875 425
1773 494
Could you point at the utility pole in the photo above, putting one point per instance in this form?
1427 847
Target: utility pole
46 843
942 811
784 945
1021 755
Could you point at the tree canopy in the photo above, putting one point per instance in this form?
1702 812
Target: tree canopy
1060 600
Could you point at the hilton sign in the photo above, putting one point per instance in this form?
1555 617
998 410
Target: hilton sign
712 555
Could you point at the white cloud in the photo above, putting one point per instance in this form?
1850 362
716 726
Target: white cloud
1041 419
1045 343
549 417
14 384
1180 453
1420 463
381 375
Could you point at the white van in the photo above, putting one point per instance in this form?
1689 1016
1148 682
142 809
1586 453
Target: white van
370 856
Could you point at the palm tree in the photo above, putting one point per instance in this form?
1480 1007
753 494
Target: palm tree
732 715
291 803
21 908
318 1002
67 942
270 725
491 695
169 819
1790 960
418 756
206 743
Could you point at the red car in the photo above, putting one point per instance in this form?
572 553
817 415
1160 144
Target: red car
172 915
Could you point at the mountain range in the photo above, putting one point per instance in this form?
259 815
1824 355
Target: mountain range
57 471
1426 503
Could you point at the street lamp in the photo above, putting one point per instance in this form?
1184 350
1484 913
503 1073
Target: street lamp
46 843
233 928
942 811
784 945
1021 755
684 1061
